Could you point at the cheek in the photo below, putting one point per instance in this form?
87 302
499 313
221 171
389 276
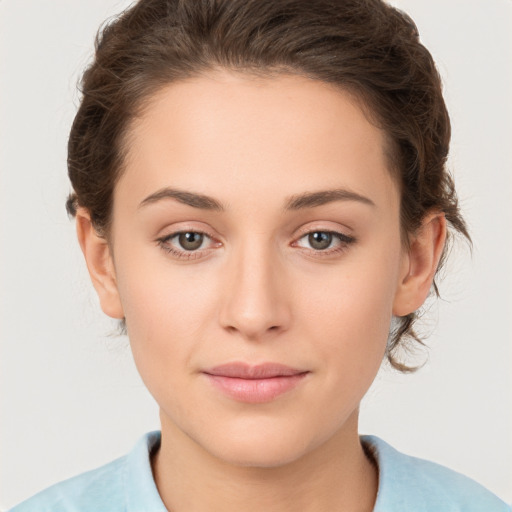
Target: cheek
350 311
166 310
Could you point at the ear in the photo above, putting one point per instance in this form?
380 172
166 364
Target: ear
420 264
100 264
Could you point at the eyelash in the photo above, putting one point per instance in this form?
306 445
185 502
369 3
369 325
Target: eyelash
165 243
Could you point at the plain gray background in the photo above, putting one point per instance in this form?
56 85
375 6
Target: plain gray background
70 397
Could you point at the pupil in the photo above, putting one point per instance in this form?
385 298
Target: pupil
320 240
190 241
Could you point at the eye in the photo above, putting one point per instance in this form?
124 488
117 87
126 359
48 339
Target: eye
326 241
187 244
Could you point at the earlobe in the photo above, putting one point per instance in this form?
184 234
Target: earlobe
100 264
420 264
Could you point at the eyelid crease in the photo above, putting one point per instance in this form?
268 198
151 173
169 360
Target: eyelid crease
321 227
179 228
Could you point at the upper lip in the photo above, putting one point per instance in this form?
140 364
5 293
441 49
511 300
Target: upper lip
248 371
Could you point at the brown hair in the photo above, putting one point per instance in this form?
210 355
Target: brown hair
364 46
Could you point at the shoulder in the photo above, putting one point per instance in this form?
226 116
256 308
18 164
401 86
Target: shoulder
101 488
408 483
117 486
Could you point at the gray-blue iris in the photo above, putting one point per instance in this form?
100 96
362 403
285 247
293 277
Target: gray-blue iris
320 240
190 241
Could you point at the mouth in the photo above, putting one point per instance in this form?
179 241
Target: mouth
254 383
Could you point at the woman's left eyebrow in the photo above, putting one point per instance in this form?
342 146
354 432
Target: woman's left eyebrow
321 197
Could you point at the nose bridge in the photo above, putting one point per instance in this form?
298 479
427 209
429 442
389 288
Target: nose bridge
254 302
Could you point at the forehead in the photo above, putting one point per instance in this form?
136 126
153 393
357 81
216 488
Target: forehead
277 135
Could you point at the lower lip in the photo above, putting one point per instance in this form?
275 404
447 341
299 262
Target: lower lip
255 391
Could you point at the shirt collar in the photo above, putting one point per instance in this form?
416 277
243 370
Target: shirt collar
141 492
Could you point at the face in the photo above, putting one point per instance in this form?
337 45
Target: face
257 259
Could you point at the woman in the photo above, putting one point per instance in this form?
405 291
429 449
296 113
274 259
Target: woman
262 201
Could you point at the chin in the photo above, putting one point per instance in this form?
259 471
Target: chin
262 446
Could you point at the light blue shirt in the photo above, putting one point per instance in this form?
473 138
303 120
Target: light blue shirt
406 484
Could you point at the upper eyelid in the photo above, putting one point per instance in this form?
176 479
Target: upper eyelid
182 231
326 226
336 232
342 237
175 232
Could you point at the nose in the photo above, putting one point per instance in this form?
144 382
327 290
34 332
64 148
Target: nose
255 303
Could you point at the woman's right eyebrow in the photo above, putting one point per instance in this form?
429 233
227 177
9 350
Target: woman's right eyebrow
189 198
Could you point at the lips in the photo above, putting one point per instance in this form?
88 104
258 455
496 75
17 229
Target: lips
254 383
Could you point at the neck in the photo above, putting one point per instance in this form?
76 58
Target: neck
335 476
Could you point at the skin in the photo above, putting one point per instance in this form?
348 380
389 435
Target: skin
257 291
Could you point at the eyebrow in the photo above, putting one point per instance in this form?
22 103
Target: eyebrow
313 199
189 198
296 202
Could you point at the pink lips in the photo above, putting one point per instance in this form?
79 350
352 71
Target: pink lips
254 384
